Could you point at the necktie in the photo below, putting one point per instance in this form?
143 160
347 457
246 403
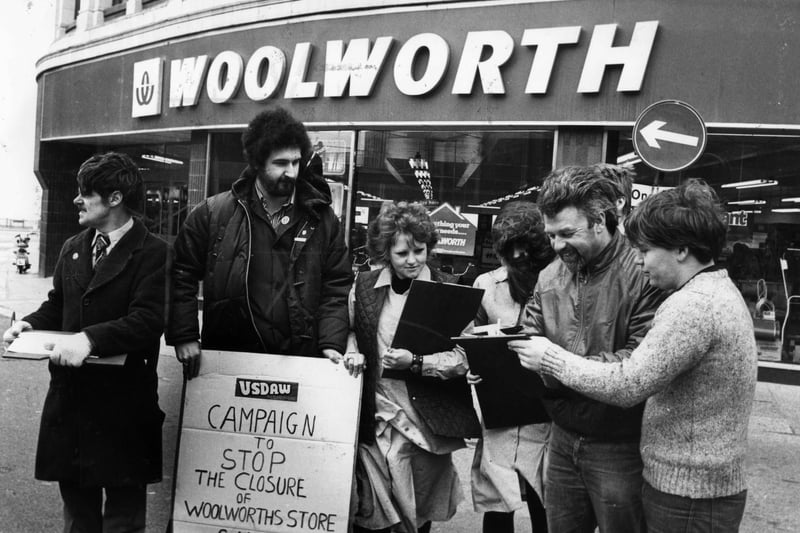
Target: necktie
100 245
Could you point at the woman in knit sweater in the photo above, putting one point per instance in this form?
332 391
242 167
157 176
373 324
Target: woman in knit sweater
696 367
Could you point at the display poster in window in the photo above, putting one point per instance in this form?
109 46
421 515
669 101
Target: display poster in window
267 444
641 191
456 232
738 218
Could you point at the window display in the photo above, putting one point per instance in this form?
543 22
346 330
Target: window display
758 179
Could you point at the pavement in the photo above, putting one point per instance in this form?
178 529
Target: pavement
28 505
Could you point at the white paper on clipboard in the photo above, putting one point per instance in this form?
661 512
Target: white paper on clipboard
31 345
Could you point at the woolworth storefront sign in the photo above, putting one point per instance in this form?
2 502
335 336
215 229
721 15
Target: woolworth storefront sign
416 67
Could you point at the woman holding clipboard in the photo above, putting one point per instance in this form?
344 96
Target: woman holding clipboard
405 476
511 456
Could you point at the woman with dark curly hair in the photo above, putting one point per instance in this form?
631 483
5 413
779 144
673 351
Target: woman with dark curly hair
696 367
405 476
506 456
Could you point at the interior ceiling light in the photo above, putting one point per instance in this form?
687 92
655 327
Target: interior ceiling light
749 184
787 210
795 199
162 159
629 159
748 202
420 167
767 183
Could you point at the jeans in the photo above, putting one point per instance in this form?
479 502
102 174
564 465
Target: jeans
668 513
593 483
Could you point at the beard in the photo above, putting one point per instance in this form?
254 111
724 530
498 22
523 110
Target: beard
572 258
283 186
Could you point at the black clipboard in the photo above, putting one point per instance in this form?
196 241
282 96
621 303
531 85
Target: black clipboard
434 312
509 394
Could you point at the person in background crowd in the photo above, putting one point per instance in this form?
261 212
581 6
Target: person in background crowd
696 367
100 432
623 176
506 458
271 255
404 473
596 302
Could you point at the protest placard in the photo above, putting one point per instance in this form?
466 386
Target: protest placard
267 444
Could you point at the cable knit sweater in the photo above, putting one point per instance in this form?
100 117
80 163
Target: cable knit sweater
697 368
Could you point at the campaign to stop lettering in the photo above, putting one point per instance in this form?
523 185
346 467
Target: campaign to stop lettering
267 444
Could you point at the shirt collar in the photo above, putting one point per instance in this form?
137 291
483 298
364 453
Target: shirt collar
385 277
115 235
500 274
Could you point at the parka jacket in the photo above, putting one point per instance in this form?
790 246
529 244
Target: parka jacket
603 312
214 246
101 424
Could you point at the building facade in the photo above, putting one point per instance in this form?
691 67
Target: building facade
464 105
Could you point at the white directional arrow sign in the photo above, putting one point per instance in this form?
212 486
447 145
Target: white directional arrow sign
653 133
669 136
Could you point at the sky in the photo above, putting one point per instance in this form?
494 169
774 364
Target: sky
26 31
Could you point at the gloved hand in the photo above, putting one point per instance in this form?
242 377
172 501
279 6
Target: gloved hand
71 350
14 331
189 354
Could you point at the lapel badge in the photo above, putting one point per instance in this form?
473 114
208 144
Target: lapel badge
285 220
74 256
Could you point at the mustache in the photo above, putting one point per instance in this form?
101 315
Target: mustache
569 250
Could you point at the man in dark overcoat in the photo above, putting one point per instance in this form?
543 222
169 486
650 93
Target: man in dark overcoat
100 432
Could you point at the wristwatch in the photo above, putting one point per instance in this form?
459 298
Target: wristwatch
416 364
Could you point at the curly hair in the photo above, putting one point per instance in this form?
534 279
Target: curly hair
623 177
688 216
520 223
272 130
585 188
109 172
395 219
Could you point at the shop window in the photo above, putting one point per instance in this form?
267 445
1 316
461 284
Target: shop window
165 173
757 177
463 177
330 159
115 10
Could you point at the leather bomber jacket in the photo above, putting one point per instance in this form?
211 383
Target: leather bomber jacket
602 312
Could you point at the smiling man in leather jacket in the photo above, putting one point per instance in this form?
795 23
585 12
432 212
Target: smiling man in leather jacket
271 255
594 301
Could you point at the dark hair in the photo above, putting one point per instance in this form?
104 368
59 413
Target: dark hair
688 216
521 223
623 177
271 130
395 219
111 172
586 189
